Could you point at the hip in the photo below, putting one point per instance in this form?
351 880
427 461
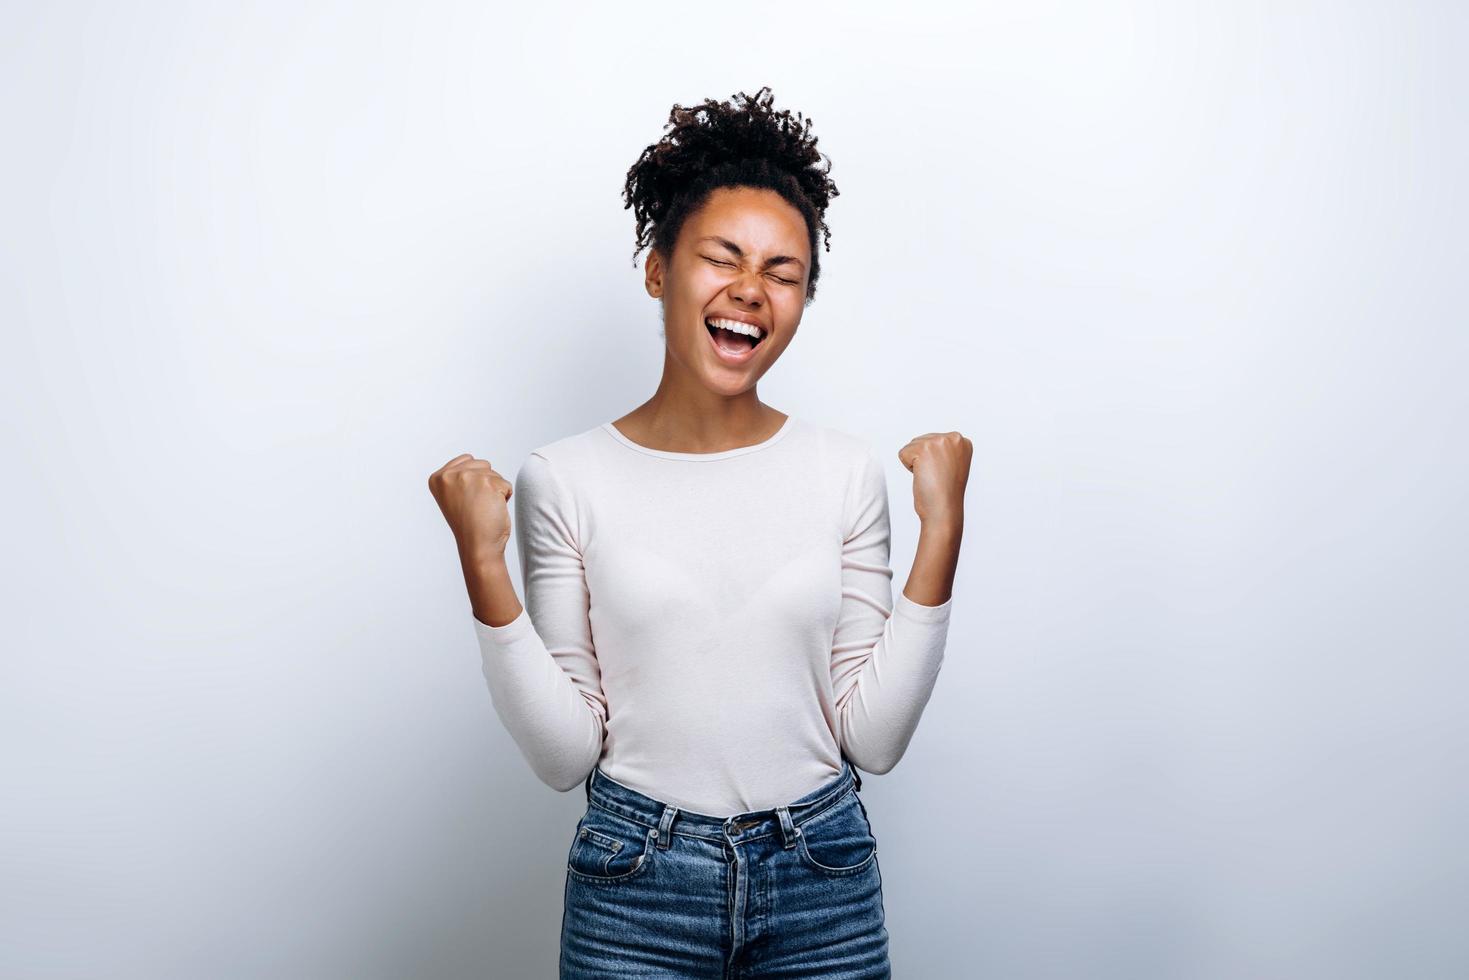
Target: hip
771 890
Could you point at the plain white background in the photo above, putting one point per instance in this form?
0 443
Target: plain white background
1189 276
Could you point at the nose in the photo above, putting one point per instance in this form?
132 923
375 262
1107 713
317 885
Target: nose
748 291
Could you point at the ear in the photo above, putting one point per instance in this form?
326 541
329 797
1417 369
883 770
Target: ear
653 274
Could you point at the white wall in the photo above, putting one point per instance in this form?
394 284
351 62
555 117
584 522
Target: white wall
1191 280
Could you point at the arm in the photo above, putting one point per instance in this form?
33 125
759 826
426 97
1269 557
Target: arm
544 679
886 653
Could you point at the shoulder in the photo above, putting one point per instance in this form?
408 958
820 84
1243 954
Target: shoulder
557 467
839 448
852 464
568 449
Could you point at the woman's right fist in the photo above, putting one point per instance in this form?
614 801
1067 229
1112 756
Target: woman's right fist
473 498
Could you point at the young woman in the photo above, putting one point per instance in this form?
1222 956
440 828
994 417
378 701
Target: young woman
709 640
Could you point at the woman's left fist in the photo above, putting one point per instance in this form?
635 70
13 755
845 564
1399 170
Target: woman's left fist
939 462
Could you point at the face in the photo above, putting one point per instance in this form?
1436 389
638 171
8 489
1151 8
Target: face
743 256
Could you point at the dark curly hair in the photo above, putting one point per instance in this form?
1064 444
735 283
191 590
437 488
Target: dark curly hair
743 143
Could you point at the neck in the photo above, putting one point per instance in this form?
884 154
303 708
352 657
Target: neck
700 422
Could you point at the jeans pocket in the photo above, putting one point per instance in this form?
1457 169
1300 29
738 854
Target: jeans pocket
838 840
609 848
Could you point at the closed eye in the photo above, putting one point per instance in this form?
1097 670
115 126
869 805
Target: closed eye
788 282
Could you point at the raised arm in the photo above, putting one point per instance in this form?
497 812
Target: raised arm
886 652
538 659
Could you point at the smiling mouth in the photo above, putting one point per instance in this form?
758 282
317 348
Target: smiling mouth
734 344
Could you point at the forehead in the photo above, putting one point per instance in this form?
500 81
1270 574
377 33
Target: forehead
757 219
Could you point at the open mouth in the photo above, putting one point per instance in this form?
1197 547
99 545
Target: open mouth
731 342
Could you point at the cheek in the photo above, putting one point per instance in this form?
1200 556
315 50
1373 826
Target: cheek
788 314
701 282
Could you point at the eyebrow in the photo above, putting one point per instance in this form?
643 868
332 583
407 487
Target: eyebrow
773 260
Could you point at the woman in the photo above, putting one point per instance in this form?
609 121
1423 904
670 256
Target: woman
731 562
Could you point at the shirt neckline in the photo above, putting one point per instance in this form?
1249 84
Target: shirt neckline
617 434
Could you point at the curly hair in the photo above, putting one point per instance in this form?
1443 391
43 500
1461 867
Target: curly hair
741 143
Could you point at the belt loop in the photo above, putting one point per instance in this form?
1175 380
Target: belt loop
788 829
664 834
589 784
856 778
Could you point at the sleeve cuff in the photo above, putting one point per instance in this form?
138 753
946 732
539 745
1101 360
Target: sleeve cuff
509 633
923 614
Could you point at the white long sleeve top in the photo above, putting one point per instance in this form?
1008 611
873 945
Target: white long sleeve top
714 629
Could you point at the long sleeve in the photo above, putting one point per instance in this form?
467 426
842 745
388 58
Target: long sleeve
886 653
541 667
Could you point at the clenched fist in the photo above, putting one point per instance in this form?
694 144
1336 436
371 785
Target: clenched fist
474 500
939 462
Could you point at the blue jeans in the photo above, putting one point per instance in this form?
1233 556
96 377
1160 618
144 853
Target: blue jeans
653 891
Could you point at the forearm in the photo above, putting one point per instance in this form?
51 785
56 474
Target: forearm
492 595
931 582
556 726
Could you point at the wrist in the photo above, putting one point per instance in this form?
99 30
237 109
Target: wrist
950 523
482 558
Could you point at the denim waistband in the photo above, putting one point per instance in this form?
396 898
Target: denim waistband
605 792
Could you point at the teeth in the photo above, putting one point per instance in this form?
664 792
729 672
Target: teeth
747 329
